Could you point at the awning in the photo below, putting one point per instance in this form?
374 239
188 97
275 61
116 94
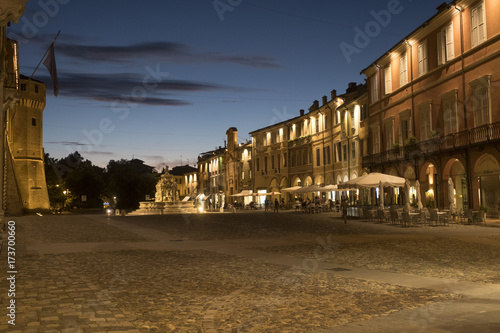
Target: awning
244 193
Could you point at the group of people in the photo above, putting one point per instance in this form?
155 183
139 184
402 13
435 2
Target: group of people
343 205
275 205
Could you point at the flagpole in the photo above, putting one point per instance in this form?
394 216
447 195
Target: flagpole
43 56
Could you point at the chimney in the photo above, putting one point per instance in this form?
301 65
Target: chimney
301 112
315 106
334 94
351 87
325 100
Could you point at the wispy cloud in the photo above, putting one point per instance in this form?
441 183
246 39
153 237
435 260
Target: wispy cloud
164 51
118 88
66 143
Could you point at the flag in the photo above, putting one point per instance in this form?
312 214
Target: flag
50 63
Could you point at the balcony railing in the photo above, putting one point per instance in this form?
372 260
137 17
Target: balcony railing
469 137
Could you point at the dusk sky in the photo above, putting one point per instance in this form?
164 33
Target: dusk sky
156 80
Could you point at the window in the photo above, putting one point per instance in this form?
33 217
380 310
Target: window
243 175
364 112
265 164
316 121
389 134
450 112
33 121
425 121
284 159
328 157
337 117
405 129
373 88
36 88
445 45
353 150
339 152
325 125
257 164
344 150
481 98
318 157
478 28
361 148
403 70
422 58
23 86
272 162
387 78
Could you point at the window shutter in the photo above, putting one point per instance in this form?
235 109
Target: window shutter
440 48
450 50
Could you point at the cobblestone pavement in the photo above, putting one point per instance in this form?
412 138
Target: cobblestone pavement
211 273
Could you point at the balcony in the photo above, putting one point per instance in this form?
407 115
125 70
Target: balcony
299 141
477 136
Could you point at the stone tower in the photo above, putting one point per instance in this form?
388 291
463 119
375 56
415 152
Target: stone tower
26 186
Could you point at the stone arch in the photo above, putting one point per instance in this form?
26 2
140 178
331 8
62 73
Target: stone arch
273 185
308 181
393 171
318 180
329 179
454 169
283 182
339 179
487 183
409 173
354 174
429 191
296 181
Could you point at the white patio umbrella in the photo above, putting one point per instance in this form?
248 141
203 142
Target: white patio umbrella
290 189
451 195
419 196
381 194
309 189
373 180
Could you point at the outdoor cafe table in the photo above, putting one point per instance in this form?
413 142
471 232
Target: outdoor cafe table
439 214
413 216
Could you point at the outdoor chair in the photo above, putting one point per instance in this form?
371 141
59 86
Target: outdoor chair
422 218
406 219
394 217
433 217
367 215
470 217
381 216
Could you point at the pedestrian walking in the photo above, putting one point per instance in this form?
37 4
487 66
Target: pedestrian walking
276 205
344 209
266 204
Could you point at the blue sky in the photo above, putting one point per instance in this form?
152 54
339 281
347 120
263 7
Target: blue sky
157 80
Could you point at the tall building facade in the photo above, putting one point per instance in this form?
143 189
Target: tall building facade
433 107
21 153
211 177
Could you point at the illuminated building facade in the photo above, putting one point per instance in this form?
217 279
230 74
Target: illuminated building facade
433 107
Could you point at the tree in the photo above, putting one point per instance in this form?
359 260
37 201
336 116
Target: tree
71 178
129 181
